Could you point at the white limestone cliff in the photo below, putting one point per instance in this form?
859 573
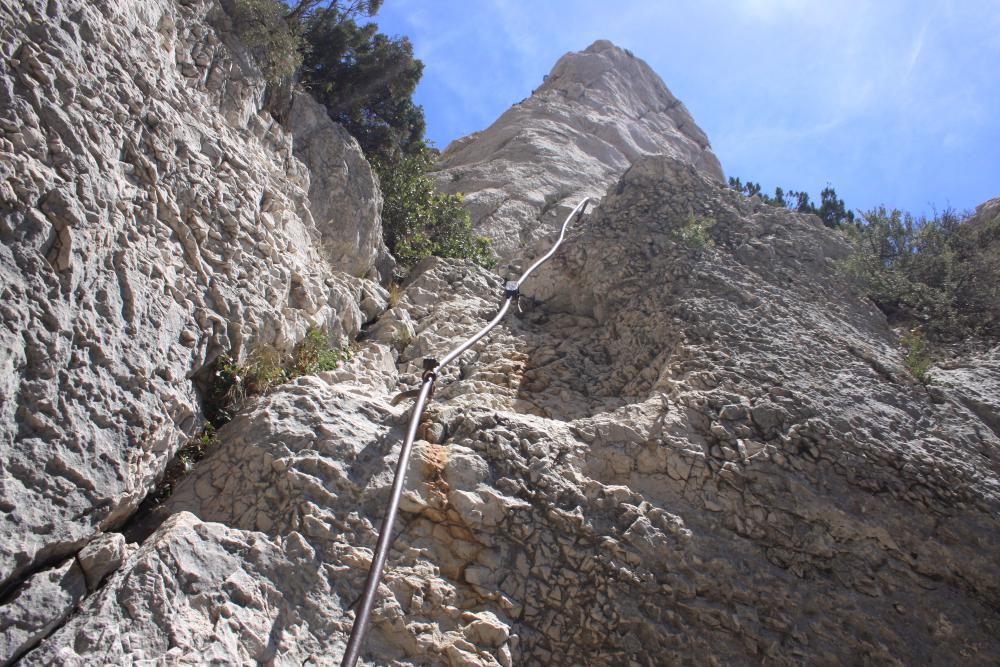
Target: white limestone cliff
694 442
732 466
596 112
152 217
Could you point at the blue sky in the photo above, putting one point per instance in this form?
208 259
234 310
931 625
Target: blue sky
895 102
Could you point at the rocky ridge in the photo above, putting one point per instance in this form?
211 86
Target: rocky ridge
694 443
595 113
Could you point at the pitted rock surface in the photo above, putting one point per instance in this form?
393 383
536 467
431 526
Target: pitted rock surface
594 114
728 466
693 442
152 217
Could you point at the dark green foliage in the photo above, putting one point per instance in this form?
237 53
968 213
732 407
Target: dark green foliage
276 44
749 188
942 273
366 82
831 210
302 9
417 222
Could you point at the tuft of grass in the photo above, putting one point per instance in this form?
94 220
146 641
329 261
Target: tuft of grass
264 369
917 360
395 294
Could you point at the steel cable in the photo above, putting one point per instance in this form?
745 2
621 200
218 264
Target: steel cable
511 293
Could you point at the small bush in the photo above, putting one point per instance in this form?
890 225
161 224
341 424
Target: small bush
235 383
276 44
696 232
264 369
942 273
418 222
395 294
918 361
315 354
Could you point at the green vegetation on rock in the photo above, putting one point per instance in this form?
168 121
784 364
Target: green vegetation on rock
417 222
235 382
918 360
276 44
942 273
696 232
365 80
831 209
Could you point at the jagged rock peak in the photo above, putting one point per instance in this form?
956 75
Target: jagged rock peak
606 74
596 112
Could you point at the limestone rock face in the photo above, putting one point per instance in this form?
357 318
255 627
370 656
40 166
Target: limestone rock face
974 380
595 113
343 198
201 593
692 442
695 442
152 216
42 603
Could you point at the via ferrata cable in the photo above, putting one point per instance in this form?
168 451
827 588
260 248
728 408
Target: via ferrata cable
511 293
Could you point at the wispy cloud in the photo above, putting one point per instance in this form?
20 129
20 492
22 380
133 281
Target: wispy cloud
916 49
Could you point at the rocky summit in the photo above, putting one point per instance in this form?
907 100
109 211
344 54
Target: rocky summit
596 113
695 442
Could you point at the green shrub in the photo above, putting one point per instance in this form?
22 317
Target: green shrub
315 354
236 382
696 232
918 361
276 44
365 80
263 370
417 222
941 273
831 209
